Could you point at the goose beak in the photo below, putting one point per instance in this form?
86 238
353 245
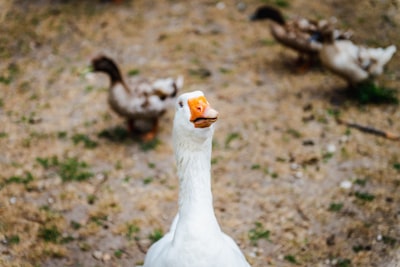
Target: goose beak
202 115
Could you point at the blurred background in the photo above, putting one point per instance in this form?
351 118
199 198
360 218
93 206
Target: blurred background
291 185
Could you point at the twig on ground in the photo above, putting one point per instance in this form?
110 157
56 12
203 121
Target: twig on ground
371 130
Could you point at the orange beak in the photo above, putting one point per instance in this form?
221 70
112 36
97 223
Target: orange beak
202 114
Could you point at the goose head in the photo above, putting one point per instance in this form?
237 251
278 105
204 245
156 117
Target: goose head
194 118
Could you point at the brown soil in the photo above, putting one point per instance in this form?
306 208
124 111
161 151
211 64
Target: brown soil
279 154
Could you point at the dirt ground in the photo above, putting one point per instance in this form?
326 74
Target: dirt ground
291 185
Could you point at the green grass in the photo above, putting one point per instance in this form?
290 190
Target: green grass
291 259
335 207
132 229
369 93
83 138
20 179
117 134
133 72
51 234
13 240
294 133
150 145
388 240
364 196
69 169
75 225
230 138
3 134
343 263
156 235
118 253
257 233
396 166
148 180
361 182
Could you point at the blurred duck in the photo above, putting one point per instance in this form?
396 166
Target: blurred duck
142 102
354 63
299 34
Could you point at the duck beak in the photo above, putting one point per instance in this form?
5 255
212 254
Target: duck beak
202 115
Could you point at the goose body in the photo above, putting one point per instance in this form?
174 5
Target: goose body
299 34
352 62
140 101
195 238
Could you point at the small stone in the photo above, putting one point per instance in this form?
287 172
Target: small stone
220 5
344 139
294 166
98 255
13 200
331 148
100 176
50 200
346 184
241 6
298 174
106 257
379 237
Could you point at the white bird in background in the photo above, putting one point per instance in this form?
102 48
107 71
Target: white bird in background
354 63
195 238
142 102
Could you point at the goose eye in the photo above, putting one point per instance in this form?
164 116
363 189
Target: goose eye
181 104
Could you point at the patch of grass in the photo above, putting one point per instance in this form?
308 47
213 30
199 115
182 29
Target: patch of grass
12 73
335 207
20 179
99 219
359 248
224 70
83 138
150 145
257 233
75 225
62 135
388 240
231 137
1 103
361 182
274 175
118 253
282 3
70 169
333 112
343 263
151 165
13 240
131 230
3 134
202 73
294 133
268 42
396 166
91 199
327 156
133 72
89 88
291 259
117 134
156 235
255 167
148 180
369 93
50 234
364 196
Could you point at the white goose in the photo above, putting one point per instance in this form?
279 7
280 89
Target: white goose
195 238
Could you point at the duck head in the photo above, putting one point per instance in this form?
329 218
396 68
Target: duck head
107 65
268 12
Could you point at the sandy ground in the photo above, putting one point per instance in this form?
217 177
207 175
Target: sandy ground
279 155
